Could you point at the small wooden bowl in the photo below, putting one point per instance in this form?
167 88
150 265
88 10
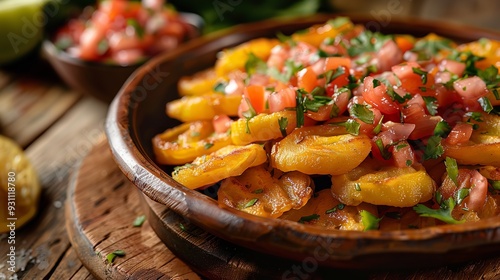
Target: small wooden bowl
101 80
138 113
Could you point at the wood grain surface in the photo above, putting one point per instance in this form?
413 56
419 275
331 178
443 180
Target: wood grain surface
102 206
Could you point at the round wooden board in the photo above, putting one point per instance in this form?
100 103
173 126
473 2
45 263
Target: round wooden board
102 206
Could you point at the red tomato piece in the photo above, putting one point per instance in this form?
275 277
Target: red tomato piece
284 98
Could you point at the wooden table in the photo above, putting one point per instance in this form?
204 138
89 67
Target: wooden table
57 127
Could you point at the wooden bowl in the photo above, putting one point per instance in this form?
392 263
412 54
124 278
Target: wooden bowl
138 113
101 80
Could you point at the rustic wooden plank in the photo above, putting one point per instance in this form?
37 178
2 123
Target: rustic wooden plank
100 214
29 106
70 267
43 242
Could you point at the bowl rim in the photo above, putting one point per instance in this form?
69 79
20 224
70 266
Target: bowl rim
200 209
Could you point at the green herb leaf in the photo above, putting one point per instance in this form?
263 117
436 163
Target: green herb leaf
220 87
249 114
139 221
315 102
182 227
352 126
431 104
255 65
357 187
452 169
208 146
383 150
111 256
339 206
378 127
250 203
308 218
485 104
258 191
442 129
443 213
422 73
179 168
299 110
434 149
370 221
376 83
362 112
139 30
339 22
462 194
426 49
367 41
283 124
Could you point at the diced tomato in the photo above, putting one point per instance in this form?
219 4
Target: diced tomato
467 179
393 132
452 66
333 63
257 96
285 98
366 128
403 154
444 96
412 81
460 133
471 88
378 97
221 123
388 55
307 79
424 127
324 113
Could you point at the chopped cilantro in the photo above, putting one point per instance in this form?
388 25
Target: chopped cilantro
286 39
255 65
495 184
367 41
376 83
249 114
179 168
362 112
339 206
434 149
313 104
331 75
357 187
111 256
258 191
422 73
250 203
339 22
426 48
485 104
299 110
220 87
378 127
139 30
452 169
139 221
182 227
370 221
442 129
443 213
283 123
383 150
308 218
431 104
208 145
409 162
462 194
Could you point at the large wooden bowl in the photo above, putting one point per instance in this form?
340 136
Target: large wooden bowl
138 113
